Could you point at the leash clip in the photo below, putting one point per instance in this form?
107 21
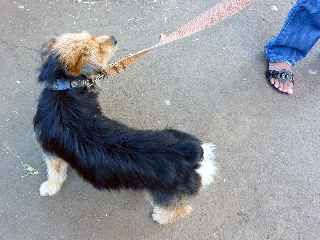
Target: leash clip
100 76
82 83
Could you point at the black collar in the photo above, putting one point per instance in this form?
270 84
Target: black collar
62 84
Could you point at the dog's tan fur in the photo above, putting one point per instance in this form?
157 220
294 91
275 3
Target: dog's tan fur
57 174
57 165
75 50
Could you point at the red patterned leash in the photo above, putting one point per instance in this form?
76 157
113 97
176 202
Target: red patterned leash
209 18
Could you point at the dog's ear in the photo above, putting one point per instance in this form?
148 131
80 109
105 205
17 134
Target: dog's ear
50 69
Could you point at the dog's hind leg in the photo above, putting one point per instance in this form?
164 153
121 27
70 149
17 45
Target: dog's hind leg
168 215
57 174
167 208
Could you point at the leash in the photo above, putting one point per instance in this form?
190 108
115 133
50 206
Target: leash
207 19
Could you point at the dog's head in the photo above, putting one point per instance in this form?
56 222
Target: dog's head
75 54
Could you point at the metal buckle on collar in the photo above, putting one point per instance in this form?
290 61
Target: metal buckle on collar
82 83
100 76
90 83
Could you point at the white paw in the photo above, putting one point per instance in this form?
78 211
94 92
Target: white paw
165 216
162 216
49 188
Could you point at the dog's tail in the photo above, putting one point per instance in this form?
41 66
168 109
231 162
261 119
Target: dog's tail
208 168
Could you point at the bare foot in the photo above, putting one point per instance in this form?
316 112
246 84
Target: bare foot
282 86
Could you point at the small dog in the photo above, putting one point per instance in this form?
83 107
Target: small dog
170 165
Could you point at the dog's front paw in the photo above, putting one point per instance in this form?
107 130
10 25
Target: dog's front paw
49 188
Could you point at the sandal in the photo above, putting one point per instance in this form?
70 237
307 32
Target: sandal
282 76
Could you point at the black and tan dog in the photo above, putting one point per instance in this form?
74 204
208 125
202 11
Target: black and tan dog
170 165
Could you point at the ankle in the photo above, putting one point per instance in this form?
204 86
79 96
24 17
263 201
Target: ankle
280 65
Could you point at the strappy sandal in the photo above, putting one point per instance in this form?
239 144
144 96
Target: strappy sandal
282 76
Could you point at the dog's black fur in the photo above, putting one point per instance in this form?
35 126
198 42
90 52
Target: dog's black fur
110 155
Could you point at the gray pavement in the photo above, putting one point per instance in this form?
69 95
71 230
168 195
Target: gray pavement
211 84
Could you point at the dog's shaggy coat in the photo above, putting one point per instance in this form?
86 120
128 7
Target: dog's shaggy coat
71 130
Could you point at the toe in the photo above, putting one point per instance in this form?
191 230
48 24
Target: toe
276 83
281 87
272 81
290 88
285 87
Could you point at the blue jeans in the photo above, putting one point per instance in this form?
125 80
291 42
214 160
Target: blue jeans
298 35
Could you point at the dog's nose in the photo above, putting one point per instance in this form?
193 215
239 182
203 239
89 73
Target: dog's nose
114 40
